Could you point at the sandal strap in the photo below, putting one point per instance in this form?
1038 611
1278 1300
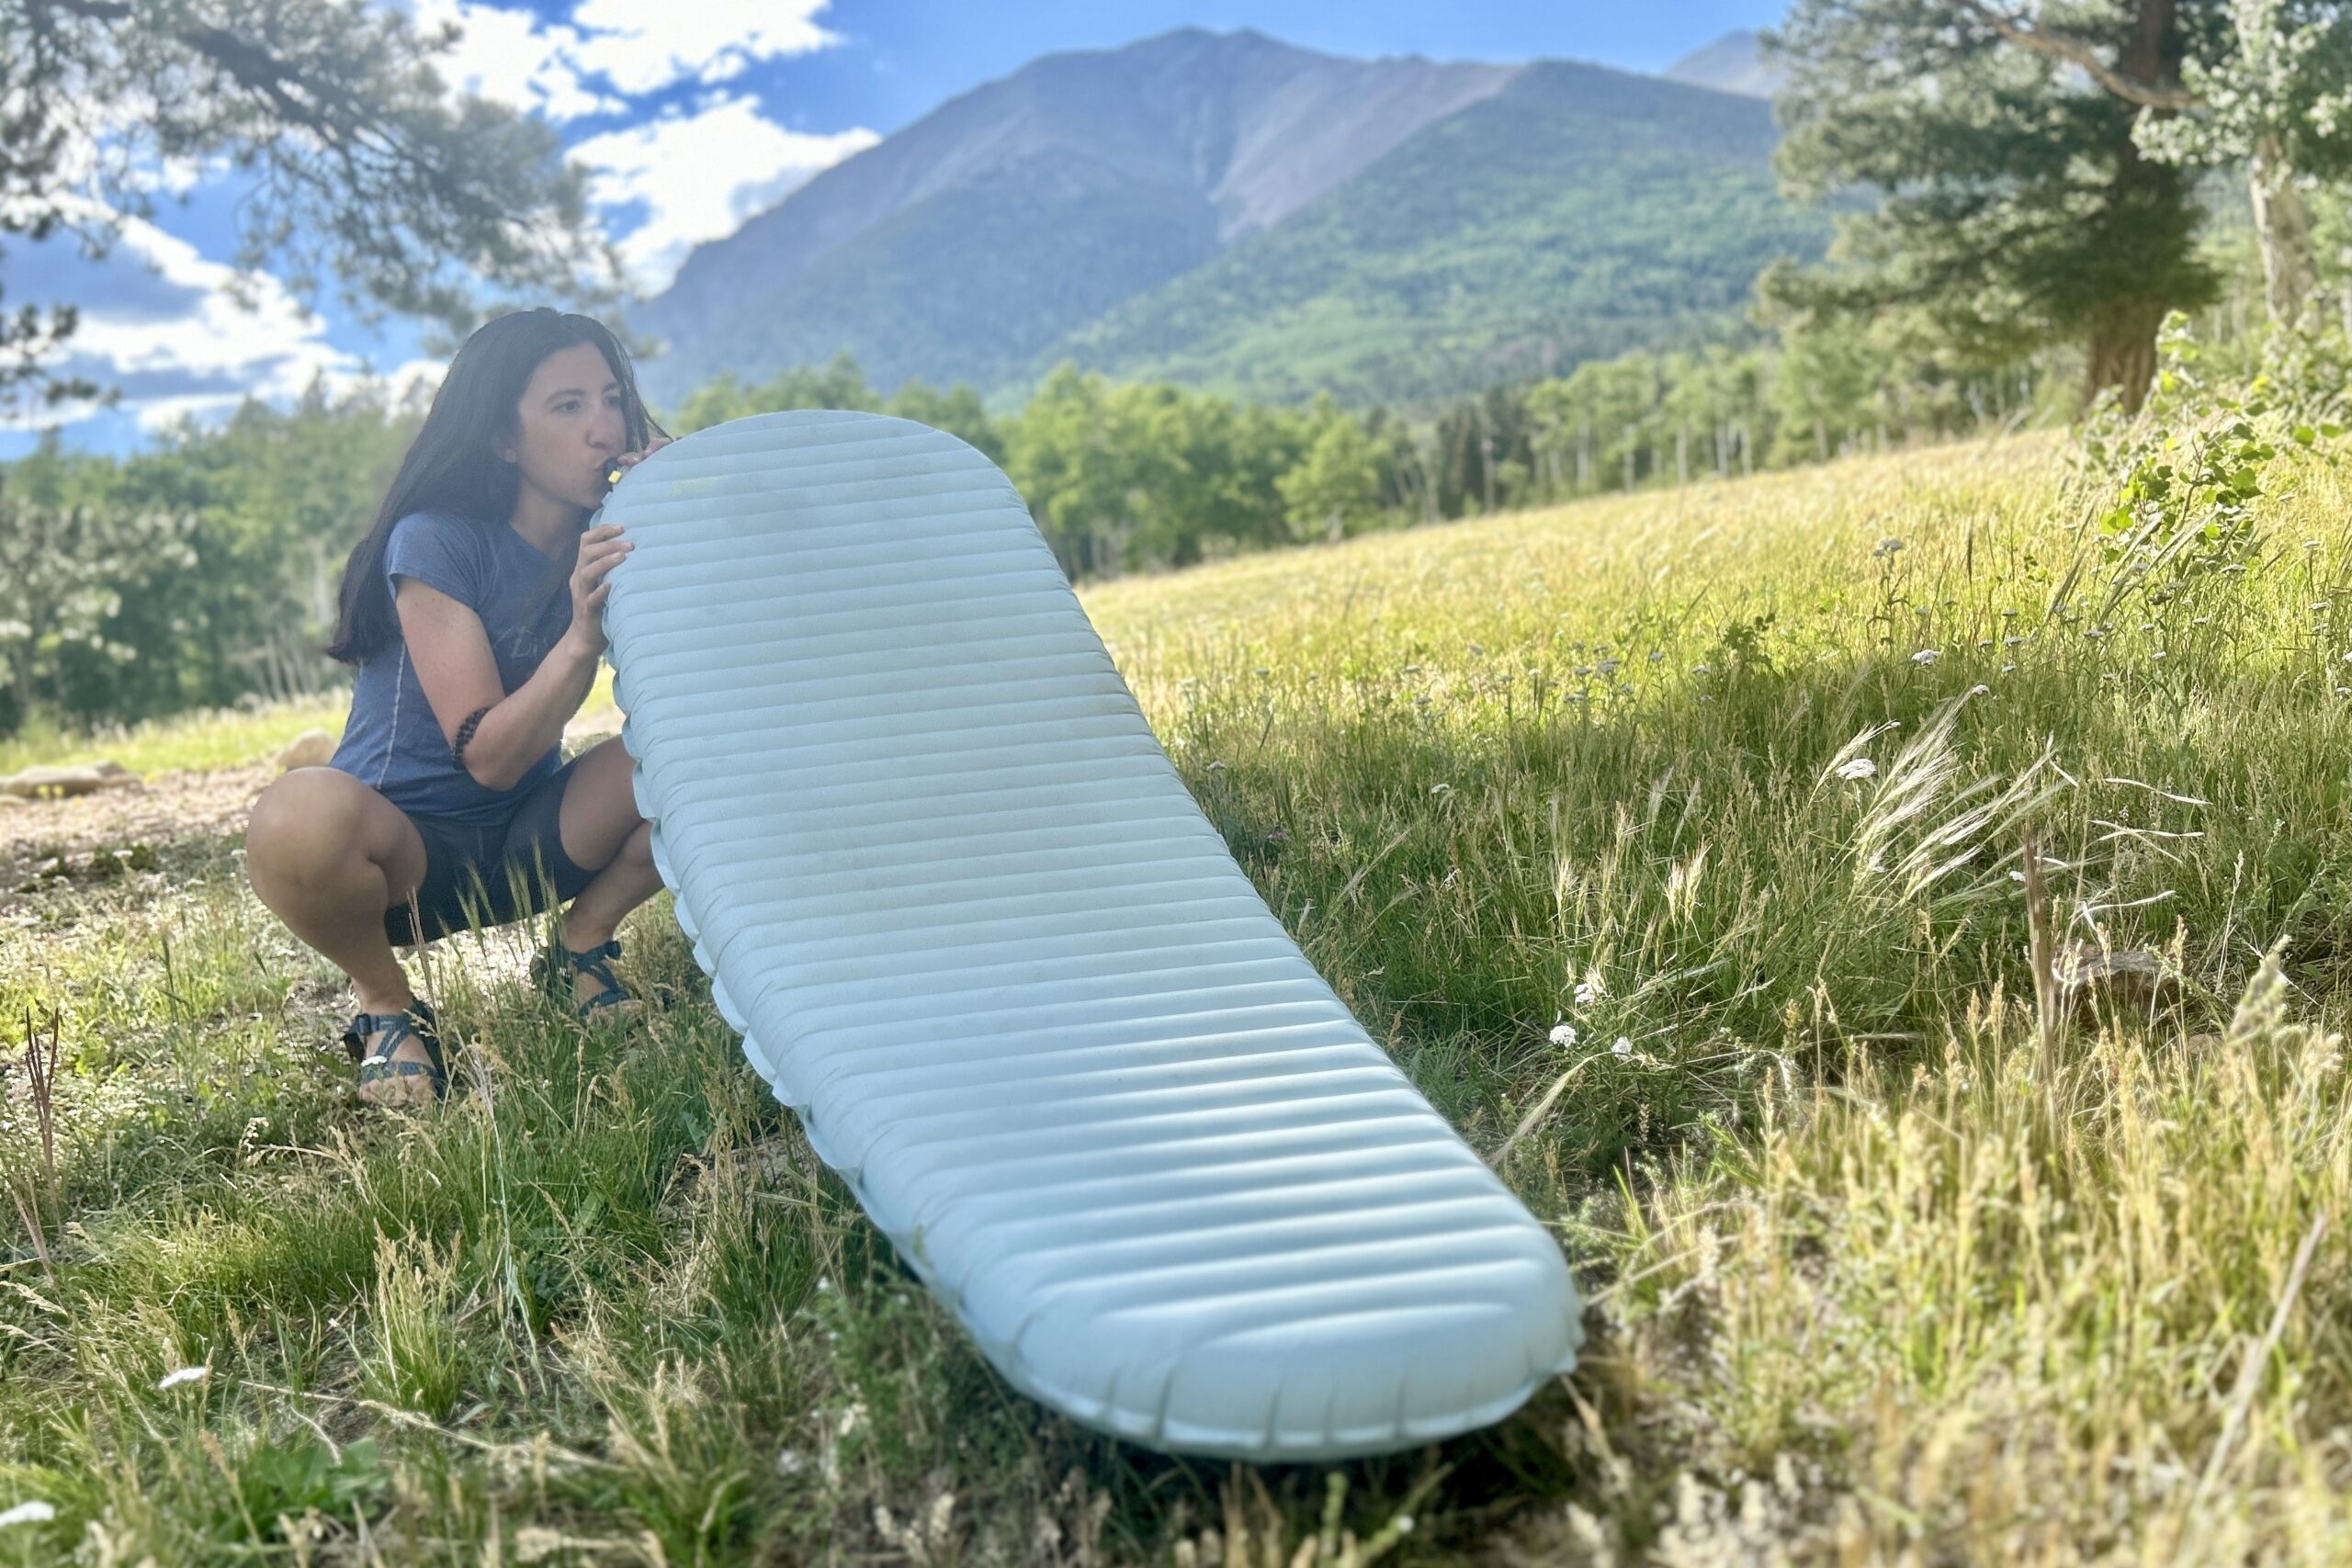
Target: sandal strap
592 959
396 1027
362 1025
596 963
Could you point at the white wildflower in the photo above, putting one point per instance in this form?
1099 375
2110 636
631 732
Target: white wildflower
1586 991
1927 656
537 1543
1622 1049
1564 1035
1442 789
32 1513
1887 548
1857 768
179 1375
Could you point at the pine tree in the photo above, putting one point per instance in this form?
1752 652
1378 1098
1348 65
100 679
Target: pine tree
363 166
2004 200
2264 86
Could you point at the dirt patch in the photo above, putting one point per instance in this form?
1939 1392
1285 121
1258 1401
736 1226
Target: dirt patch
49 844
61 841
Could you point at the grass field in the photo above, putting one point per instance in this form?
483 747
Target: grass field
1673 843
207 741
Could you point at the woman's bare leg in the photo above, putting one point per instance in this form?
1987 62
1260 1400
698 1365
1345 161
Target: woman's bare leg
329 856
601 831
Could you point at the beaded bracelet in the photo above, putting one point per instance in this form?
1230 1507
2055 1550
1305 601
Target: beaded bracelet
465 734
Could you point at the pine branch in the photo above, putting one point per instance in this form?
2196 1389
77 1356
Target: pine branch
2019 28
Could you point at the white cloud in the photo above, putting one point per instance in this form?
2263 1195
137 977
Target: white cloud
278 340
157 317
514 57
203 356
508 57
700 175
646 45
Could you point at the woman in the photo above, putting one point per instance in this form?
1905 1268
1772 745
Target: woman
473 610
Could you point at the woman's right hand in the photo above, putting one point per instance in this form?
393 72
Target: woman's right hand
600 549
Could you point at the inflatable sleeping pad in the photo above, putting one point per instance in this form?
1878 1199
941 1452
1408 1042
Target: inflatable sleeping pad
975 931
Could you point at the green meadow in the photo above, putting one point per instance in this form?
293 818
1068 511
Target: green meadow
1899 953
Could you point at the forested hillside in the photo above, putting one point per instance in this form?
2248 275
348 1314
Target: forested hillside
1551 224
1231 212
963 246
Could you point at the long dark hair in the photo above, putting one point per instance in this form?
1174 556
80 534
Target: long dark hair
453 465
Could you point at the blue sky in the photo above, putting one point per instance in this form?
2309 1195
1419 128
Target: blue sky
692 115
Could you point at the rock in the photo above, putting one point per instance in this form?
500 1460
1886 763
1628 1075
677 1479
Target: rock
64 784
2125 980
311 749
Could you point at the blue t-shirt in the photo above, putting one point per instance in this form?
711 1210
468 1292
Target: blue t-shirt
393 742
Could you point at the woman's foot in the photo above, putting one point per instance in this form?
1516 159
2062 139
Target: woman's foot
399 1053
584 978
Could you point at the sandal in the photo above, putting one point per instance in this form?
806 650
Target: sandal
378 1066
553 968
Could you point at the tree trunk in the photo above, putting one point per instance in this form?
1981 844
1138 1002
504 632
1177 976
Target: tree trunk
2123 350
2289 275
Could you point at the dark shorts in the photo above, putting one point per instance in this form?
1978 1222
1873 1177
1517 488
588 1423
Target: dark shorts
481 874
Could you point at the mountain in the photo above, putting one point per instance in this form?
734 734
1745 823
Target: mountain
963 246
1549 222
1232 210
1733 63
